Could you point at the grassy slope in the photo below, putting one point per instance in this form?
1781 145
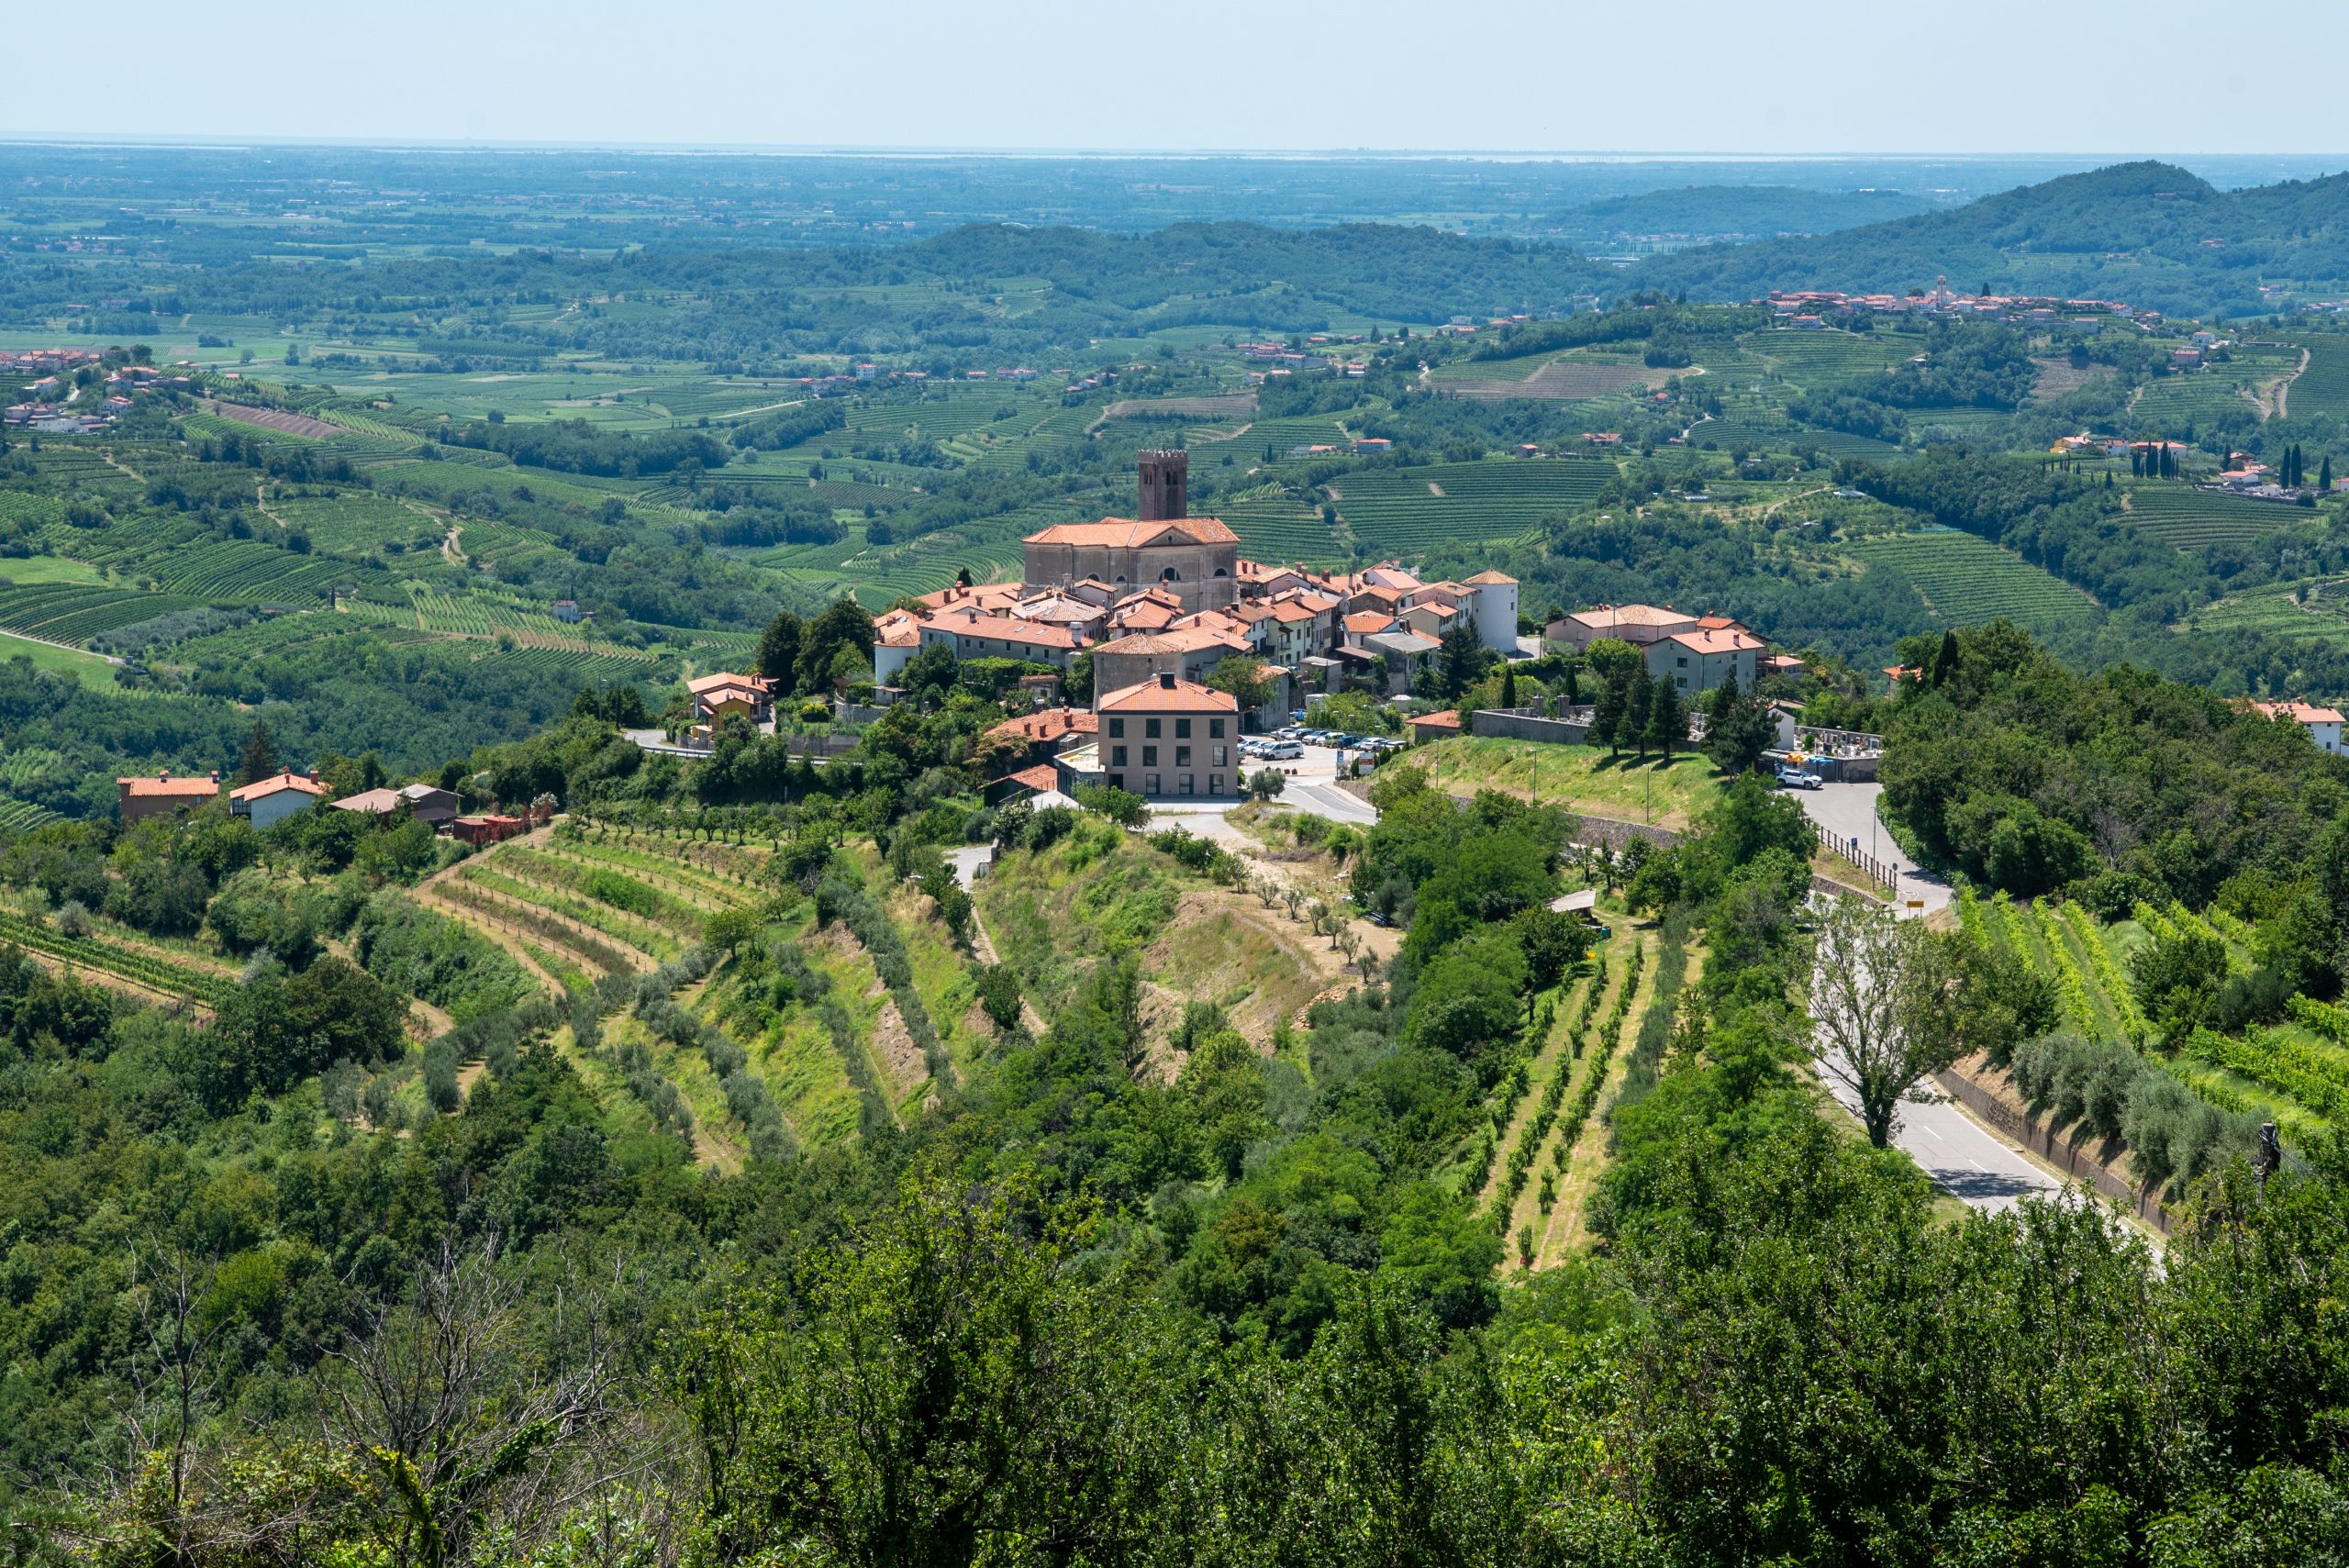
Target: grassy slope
1579 778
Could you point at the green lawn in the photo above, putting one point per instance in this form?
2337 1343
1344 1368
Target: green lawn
87 668
48 569
1579 778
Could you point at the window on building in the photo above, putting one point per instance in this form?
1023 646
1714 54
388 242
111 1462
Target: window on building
1118 756
1190 784
1181 756
1681 660
1222 757
1150 727
1154 788
1116 729
1182 729
1215 784
1215 729
1150 756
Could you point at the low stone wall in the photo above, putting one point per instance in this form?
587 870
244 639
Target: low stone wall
1524 723
1988 1092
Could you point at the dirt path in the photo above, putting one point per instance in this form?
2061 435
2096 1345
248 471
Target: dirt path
449 549
2284 387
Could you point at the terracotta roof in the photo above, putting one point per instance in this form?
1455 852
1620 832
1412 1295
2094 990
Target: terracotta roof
165 787
1628 615
1125 533
985 596
277 783
726 678
1169 695
2298 712
1187 640
1041 777
1482 577
374 800
1717 641
1446 720
961 622
1368 620
1146 613
898 629
1049 725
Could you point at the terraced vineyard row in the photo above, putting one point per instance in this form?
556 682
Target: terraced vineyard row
73 613
1408 510
2323 388
2195 519
1968 580
139 967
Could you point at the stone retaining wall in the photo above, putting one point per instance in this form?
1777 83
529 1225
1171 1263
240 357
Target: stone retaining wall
1988 1092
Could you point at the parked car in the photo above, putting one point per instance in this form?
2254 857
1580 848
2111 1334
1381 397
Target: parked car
1794 778
1280 750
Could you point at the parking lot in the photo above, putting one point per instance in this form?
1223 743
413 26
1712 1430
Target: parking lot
1312 780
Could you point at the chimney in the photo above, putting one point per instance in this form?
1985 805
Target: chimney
1166 680
1166 485
216 775
165 776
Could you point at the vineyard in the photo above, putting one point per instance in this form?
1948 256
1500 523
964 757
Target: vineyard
1408 511
2296 1074
834 1050
73 613
139 968
1968 581
2194 519
2322 389
2308 611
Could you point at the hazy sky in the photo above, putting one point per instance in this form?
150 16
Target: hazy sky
1698 75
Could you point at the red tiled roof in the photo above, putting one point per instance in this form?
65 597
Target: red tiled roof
1003 629
1715 642
277 783
1164 696
1445 720
165 787
1125 533
2298 712
1039 778
1047 725
1188 639
1368 620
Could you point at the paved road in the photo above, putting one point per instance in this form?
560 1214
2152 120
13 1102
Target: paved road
967 862
1848 811
1964 1158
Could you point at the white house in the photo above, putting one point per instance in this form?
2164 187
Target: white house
2323 724
267 802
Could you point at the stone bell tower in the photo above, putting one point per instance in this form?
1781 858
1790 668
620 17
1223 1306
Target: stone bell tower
1166 485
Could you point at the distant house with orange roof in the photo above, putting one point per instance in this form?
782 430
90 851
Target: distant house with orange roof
1188 653
2323 724
973 634
267 802
1638 625
1698 659
1170 736
160 796
1032 737
726 695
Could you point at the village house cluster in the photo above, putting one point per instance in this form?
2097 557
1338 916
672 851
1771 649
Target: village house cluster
55 405
1158 601
267 802
1808 309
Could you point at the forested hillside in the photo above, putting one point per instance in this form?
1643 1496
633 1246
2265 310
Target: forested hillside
2149 234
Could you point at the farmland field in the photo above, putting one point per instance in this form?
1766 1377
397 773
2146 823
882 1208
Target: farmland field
1968 581
2192 519
2322 389
1410 510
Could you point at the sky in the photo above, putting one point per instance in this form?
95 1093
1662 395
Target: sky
1994 76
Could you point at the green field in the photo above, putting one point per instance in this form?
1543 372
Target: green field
1408 511
1968 581
2322 389
2194 519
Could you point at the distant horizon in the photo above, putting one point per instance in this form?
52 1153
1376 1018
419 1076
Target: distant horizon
226 141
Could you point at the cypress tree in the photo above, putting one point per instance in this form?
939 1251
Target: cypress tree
1667 716
2324 473
1607 718
1508 686
1639 698
259 760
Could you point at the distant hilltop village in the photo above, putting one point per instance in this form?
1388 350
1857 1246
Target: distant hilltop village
1159 599
1808 309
